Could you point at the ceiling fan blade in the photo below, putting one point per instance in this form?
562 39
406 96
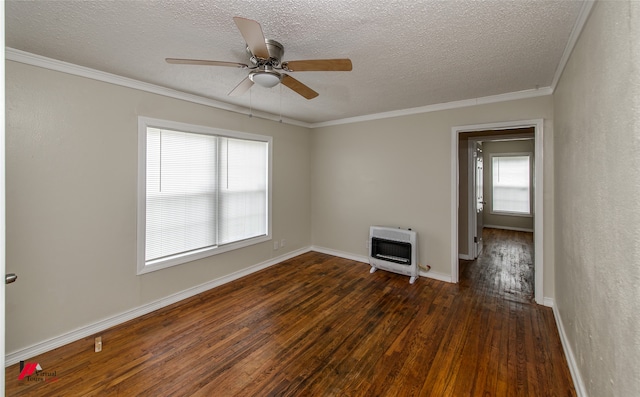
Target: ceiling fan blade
205 63
298 87
253 36
318 65
242 87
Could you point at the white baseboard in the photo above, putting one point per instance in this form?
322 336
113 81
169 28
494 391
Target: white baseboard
340 254
517 229
83 332
365 259
465 257
436 276
571 359
91 329
548 302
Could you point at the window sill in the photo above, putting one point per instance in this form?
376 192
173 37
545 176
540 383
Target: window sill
176 260
518 214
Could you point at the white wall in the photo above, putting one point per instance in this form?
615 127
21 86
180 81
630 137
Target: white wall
71 201
597 148
397 172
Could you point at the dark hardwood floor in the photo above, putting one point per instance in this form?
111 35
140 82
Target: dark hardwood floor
504 267
318 325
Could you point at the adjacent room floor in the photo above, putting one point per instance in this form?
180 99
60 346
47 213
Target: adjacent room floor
505 267
318 325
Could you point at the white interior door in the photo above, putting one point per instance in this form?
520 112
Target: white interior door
479 198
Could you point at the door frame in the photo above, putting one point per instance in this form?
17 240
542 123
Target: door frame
538 226
2 203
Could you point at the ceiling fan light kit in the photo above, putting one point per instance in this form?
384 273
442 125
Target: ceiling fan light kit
265 56
267 78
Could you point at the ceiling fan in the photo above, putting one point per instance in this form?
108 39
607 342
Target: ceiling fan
265 56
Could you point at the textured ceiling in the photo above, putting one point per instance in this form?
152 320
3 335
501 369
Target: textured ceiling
405 54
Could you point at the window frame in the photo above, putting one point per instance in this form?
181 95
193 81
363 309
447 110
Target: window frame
492 211
148 122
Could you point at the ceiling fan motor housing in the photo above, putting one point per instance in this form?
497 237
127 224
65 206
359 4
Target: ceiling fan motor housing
276 51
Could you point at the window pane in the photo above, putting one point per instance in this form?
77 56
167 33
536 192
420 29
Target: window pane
243 189
202 191
181 199
511 184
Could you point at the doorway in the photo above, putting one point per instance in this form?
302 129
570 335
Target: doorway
464 183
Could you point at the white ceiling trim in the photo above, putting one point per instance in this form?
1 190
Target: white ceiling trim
573 38
442 106
13 54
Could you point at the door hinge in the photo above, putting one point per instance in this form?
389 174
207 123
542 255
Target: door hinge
475 239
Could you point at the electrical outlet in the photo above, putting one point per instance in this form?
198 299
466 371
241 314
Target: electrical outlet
275 245
283 242
98 344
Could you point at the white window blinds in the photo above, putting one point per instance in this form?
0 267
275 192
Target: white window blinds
243 190
510 184
202 191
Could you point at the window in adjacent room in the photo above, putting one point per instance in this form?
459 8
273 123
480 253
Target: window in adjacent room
511 184
202 191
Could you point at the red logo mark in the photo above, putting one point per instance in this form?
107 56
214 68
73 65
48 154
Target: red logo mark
28 369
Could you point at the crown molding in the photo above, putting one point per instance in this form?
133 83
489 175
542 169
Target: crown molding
510 96
15 55
585 11
12 54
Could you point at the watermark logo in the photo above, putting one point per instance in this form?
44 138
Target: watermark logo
28 369
32 372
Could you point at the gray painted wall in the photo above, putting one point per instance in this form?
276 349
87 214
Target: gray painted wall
397 172
597 186
71 182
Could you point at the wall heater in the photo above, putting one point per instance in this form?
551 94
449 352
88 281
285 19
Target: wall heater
394 250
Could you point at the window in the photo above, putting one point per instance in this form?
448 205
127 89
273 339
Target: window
202 191
511 184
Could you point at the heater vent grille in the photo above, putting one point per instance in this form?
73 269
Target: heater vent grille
391 250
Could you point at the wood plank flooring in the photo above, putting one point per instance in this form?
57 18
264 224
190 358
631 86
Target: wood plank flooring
318 325
504 267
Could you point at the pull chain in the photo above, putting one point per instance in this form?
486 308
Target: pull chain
280 104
